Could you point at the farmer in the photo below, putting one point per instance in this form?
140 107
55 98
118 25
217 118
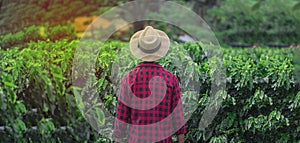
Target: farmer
149 105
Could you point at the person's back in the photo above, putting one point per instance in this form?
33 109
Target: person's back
149 102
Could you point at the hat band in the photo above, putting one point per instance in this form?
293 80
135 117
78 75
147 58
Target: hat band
149 51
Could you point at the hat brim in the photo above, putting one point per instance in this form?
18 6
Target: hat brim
161 52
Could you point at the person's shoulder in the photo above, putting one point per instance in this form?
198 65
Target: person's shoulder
168 72
170 75
128 75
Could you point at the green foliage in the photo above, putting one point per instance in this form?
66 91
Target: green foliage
39 103
12 39
37 96
35 34
260 85
60 32
253 21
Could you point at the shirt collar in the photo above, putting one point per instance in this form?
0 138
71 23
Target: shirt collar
149 64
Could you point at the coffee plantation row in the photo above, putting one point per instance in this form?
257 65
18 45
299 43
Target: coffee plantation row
39 101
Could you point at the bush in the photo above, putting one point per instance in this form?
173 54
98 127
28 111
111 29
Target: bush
39 103
37 99
35 34
253 21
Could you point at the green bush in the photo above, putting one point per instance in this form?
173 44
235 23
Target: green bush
39 103
257 106
35 34
37 94
20 38
253 21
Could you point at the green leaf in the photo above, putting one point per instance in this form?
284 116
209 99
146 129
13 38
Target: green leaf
20 108
100 116
278 115
46 126
10 84
19 126
45 107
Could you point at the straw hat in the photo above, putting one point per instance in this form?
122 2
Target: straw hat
149 44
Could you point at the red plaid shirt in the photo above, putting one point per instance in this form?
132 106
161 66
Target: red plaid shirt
149 105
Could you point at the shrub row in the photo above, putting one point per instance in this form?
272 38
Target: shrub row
267 21
37 33
39 102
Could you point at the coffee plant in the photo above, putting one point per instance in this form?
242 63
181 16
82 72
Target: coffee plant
39 103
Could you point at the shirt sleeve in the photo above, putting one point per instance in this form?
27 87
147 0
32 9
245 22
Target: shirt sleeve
178 122
122 118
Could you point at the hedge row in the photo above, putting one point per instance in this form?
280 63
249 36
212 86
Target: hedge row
37 33
39 104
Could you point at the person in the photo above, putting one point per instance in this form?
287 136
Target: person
149 107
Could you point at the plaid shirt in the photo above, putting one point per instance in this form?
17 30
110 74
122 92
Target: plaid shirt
149 105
